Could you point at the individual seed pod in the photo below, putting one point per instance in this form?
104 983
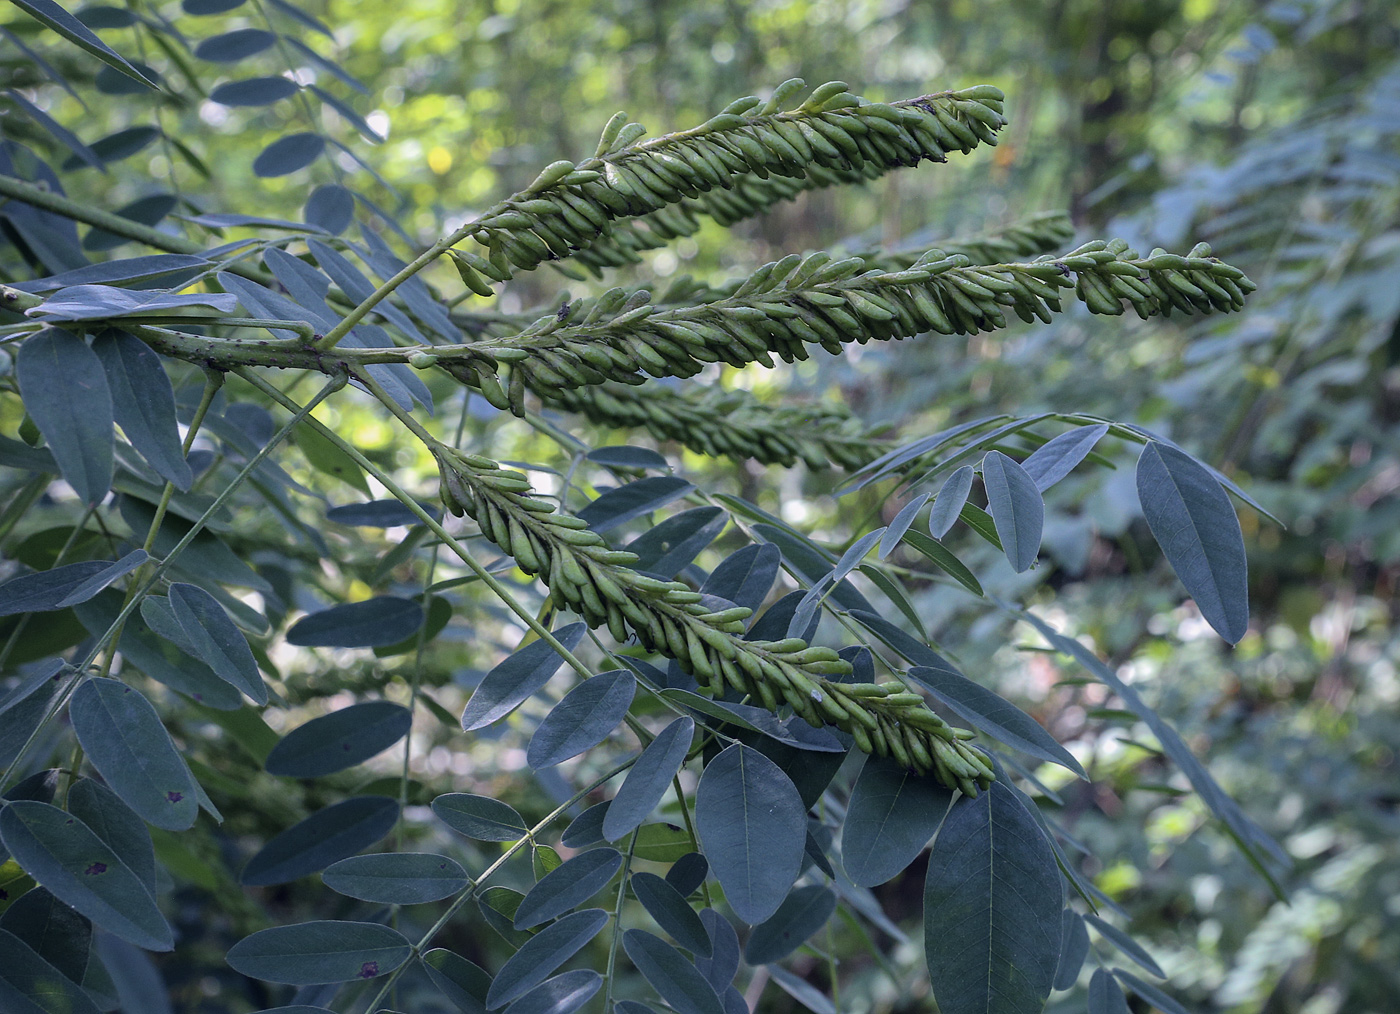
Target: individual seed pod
515 393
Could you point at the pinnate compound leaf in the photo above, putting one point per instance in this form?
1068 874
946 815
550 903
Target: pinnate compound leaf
753 826
396 878
144 403
570 885
892 815
58 373
1127 945
543 953
801 914
948 505
28 983
1105 995
372 623
1074 948
1016 508
668 907
517 678
339 740
123 737
992 904
310 953
215 640
1056 458
480 817
992 714
649 779
562 994
289 154
327 836
461 981
55 18
1192 520
674 978
64 855
583 719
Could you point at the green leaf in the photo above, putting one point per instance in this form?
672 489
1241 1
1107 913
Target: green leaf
672 546
573 883
801 914
215 640
620 505
123 737
462 982
752 825
1074 948
308 953
480 817
144 403
326 457
624 456
649 779
1126 945
1105 995
1193 521
687 873
892 591
64 855
254 91
118 825
325 837
807 608
674 978
31 985
1056 458
57 933
368 624
55 18
722 965
583 719
993 714
901 524
672 912
230 47
948 505
661 843
330 206
892 815
517 678
543 953
980 522
339 740
745 576
942 558
912 649
285 156
561 994
58 373
64 586
992 904
801 990
396 878
1016 507
1150 993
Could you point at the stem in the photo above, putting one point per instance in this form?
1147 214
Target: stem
617 923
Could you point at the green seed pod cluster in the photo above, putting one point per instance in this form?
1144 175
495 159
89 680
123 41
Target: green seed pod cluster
732 424
668 617
786 305
832 137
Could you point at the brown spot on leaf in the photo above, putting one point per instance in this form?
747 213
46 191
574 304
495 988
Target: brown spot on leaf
369 970
95 869
174 797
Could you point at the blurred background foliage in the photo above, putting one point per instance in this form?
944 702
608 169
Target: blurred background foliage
1268 129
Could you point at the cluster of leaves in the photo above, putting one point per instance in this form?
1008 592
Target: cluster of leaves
708 706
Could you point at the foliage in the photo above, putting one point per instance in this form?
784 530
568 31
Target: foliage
218 550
